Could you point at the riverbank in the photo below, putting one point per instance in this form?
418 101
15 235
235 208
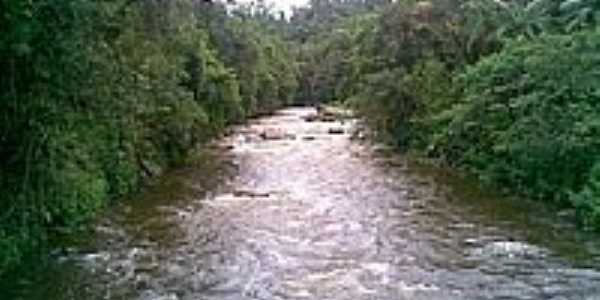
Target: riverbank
511 102
311 213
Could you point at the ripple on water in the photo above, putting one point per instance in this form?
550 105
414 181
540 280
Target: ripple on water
321 218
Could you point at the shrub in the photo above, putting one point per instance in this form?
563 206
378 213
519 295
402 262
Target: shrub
529 116
587 201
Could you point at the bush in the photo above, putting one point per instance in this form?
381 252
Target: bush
403 108
587 201
529 118
430 84
387 105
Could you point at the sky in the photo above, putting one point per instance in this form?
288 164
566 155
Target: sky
285 5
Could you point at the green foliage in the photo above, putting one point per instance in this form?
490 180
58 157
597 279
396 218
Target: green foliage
587 201
492 21
386 104
404 66
430 84
263 62
321 16
98 96
510 19
330 63
529 116
403 108
575 15
506 90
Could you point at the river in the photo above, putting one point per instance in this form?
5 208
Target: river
308 212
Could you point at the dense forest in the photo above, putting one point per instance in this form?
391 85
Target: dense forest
98 97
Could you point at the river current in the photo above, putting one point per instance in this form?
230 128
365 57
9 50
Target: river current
283 208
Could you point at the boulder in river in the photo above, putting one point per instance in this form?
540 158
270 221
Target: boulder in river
274 134
311 118
334 111
250 194
327 114
320 118
336 130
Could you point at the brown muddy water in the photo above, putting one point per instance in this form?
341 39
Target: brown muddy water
309 213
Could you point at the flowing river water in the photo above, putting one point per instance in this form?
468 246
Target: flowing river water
307 212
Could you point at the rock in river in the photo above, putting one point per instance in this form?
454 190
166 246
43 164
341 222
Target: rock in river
275 134
336 130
